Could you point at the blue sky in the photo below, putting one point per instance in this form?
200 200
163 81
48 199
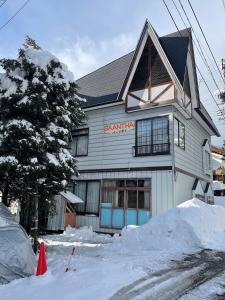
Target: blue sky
88 34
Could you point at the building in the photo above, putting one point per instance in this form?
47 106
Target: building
146 146
218 164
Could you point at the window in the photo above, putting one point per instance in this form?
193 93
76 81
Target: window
79 146
129 193
179 134
206 157
152 136
89 192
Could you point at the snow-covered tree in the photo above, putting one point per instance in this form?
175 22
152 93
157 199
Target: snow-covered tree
39 107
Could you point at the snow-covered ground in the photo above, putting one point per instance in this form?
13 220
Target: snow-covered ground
104 265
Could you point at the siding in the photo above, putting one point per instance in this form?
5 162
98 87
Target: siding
183 188
106 151
191 159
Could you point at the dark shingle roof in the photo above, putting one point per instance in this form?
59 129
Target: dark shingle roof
103 85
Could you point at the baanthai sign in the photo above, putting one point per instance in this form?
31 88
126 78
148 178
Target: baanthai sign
119 127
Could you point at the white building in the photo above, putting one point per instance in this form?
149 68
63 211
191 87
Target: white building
146 145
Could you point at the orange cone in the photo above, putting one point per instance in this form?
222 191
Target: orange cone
42 265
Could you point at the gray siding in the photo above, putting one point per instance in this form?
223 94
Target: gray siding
107 151
191 159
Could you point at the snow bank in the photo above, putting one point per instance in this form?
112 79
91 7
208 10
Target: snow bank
191 225
83 234
219 200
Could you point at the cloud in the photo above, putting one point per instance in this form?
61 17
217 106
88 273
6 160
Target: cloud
84 55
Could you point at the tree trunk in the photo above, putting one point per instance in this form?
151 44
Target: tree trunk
5 194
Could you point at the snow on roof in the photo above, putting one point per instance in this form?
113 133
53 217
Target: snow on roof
218 185
71 197
217 162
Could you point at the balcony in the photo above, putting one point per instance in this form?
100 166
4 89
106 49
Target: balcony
153 149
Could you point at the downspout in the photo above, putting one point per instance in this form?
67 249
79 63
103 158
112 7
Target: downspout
173 158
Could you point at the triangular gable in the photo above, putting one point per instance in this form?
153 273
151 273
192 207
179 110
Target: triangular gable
148 31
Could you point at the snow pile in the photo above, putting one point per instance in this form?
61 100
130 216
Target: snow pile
191 225
217 186
83 234
219 200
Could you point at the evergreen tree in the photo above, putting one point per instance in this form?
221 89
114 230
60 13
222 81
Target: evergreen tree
39 107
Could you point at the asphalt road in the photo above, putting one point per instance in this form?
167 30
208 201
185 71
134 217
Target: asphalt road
180 281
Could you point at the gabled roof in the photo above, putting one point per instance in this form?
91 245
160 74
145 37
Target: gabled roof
104 85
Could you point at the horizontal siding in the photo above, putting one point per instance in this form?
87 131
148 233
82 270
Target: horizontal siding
191 159
107 151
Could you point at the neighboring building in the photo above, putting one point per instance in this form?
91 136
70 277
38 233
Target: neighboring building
218 164
146 146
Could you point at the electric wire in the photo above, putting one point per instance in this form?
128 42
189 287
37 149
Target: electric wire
171 16
198 47
207 43
14 15
3 2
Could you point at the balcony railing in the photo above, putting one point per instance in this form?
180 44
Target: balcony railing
153 149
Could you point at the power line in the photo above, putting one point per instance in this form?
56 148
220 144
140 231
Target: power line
198 47
14 15
3 2
206 40
195 64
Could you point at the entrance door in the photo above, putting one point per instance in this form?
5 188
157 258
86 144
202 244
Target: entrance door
125 202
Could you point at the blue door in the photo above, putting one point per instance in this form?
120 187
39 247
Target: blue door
125 205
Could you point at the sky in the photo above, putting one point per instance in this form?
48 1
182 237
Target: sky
86 34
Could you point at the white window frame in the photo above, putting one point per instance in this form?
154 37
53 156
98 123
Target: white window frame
207 164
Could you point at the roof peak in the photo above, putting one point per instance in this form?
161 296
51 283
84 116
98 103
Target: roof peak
147 22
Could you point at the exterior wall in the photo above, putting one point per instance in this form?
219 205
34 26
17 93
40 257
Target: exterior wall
161 193
182 188
191 159
108 151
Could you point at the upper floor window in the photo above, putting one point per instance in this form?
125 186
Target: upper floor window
152 136
79 146
179 134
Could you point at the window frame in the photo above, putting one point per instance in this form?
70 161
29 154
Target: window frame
85 212
178 144
74 135
125 189
136 137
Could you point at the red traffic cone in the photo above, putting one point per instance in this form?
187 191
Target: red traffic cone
42 266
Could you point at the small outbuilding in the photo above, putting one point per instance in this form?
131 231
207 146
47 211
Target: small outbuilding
64 214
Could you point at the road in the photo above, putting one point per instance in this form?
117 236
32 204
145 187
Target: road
195 277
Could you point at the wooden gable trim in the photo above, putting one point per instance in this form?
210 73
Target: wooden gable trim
162 92
148 31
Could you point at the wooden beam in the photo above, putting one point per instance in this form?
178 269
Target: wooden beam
161 93
136 97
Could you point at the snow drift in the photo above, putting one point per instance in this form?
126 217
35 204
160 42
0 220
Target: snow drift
193 224
16 255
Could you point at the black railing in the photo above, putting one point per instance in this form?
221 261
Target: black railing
153 149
